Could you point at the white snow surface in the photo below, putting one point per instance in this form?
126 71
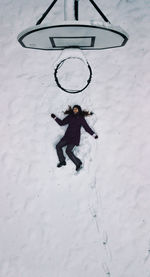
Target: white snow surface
53 222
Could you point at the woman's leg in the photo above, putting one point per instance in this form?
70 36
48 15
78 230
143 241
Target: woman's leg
59 150
71 155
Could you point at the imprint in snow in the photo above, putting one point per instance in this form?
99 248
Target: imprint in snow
73 74
93 211
105 243
93 184
105 238
148 253
106 269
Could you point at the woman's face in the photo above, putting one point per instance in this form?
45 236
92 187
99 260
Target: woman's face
75 110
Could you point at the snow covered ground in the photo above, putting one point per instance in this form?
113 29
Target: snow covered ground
54 223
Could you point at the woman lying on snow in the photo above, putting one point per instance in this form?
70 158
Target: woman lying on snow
75 120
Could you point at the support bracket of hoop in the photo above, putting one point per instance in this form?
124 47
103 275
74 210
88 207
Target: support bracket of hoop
76 11
99 11
46 12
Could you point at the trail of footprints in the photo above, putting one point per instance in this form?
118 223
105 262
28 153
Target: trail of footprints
95 205
104 240
94 208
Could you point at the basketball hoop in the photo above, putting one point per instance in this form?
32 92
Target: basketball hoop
84 35
82 65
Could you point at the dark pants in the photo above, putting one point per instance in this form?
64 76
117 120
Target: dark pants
69 152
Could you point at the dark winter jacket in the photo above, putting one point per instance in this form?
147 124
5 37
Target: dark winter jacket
75 122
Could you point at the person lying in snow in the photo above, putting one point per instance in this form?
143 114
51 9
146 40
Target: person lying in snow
75 120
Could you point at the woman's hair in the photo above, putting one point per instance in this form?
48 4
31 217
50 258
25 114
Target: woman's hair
81 112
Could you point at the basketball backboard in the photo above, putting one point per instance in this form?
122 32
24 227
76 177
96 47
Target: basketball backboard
83 35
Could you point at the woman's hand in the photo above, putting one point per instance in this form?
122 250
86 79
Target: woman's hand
95 136
53 115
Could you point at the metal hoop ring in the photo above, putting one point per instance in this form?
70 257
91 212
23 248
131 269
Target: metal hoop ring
68 90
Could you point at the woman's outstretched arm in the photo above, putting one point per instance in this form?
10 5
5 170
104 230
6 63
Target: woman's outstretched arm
88 129
61 122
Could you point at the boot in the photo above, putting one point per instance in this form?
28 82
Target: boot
61 164
79 166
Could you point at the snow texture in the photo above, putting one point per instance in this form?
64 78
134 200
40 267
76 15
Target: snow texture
54 223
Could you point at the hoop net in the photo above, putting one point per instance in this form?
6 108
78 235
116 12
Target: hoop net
72 72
